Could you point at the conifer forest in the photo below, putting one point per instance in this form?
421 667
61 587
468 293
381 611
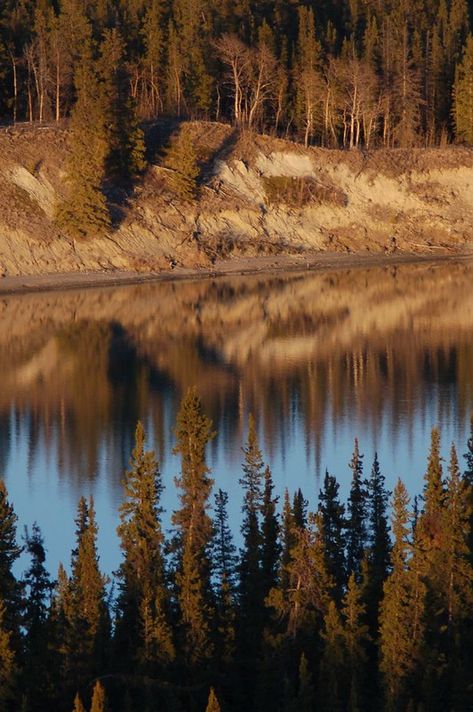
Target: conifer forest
360 605
352 74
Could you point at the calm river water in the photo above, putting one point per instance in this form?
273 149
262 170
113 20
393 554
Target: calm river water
382 354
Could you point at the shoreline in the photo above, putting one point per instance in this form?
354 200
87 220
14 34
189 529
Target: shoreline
238 266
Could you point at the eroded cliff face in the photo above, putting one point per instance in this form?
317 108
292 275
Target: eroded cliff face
418 201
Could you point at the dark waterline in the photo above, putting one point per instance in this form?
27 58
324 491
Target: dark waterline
380 353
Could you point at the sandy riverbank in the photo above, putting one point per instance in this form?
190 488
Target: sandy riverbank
235 266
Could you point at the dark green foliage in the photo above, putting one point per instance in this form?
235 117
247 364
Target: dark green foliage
9 552
84 212
194 532
333 519
125 151
225 572
299 508
180 159
143 633
468 479
379 543
37 673
282 627
356 515
83 605
270 548
275 66
212 704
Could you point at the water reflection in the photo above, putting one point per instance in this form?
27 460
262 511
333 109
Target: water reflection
381 353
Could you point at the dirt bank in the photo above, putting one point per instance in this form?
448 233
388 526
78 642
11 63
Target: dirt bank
319 262
259 198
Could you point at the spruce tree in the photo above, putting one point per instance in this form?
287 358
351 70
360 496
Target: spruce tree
302 605
225 564
468 486
251 592
7 662
463 95
333 518
99 698
180 158
458 570
356 638
443 559
459 574
378 541
194 530
37 662
10 590
83 604
270 546
212 704
332 679
84 212
306 694
356 520
143 632
299 508
434 492
78 706
401 610
288 539
125 149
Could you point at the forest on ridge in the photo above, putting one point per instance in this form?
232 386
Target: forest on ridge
350 74
342 73
361 605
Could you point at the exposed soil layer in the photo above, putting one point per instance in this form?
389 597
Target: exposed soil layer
260 197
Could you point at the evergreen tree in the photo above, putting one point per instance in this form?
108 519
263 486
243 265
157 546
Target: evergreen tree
458 582
10 590
402 609
468 487
434 492
212 704
288 540
379 543
194 530
84 212
99 699
7 662
225 564
37 662
299 508
333 518
143 632
304 602
270 547
78 706
125 150
181 159
305 694
356 637
333 663
441 549
356 520
83 604
250 590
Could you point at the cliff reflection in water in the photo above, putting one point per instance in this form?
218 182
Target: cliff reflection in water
367 346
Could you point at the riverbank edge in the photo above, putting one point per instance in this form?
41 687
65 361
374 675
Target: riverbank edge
239 266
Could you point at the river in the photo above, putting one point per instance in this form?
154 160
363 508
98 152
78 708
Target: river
382 354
